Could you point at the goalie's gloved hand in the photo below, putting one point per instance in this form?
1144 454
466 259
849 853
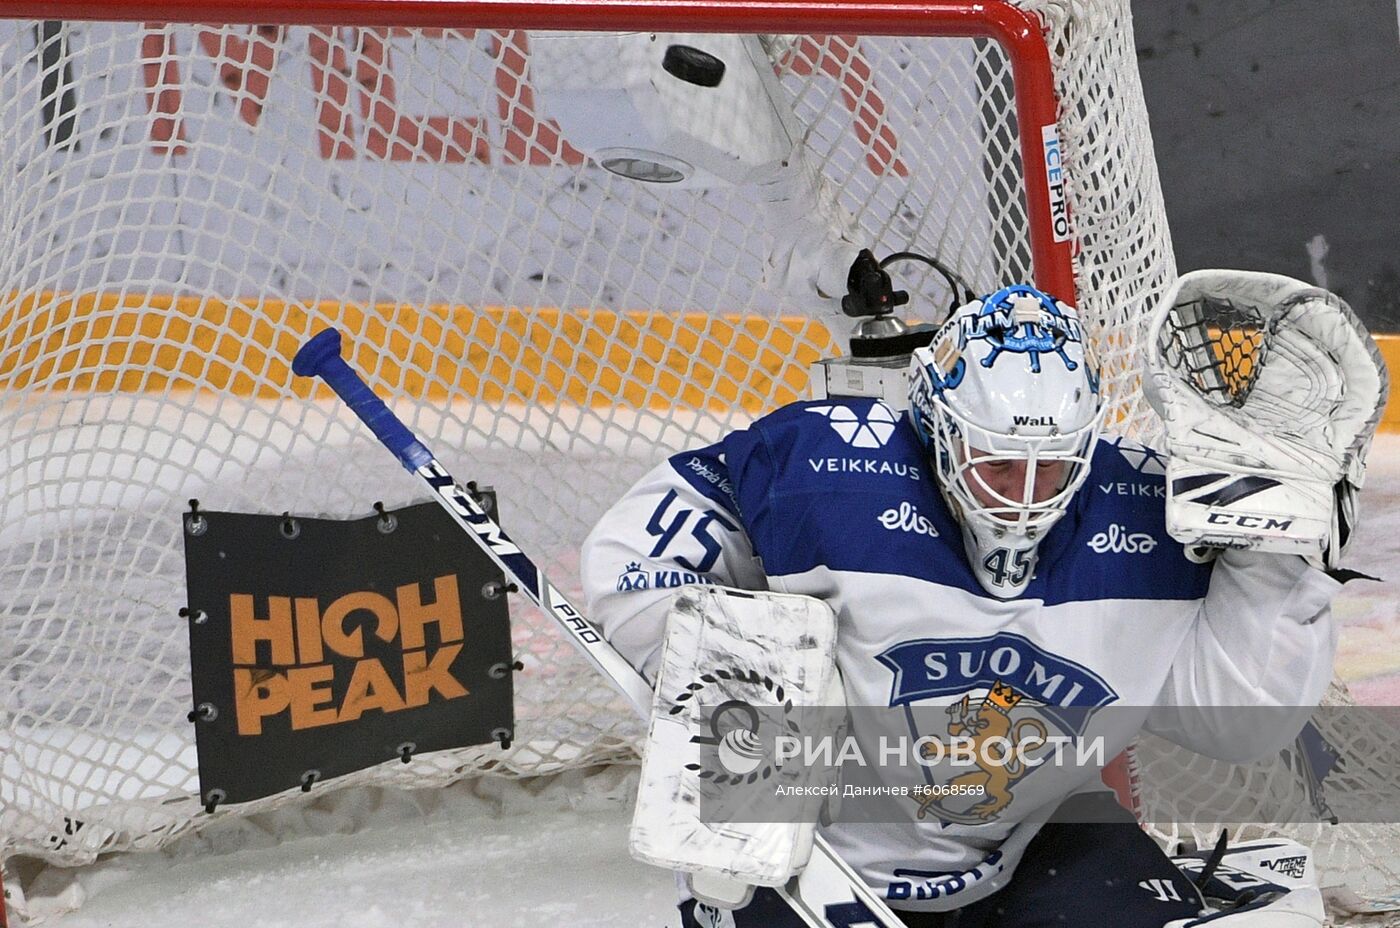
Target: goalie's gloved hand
1270 391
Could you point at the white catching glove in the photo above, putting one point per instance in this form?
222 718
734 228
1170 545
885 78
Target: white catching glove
1270 390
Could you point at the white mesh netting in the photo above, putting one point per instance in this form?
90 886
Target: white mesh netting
183 205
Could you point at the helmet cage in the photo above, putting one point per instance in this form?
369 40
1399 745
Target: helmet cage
961 447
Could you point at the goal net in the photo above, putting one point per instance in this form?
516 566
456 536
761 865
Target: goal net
561 254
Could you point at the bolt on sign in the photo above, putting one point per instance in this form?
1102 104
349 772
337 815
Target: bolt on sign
319 647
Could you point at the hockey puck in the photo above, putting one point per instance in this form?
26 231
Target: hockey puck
693 66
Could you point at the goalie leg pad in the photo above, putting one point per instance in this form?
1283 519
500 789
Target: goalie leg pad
734 666
1265 883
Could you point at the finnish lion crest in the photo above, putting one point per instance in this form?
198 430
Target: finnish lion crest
986 713
996 743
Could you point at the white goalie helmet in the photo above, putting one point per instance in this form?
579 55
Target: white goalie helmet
1006 402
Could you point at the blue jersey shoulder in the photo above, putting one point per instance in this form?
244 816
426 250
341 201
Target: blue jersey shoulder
805 447
820 445
846 485
1127 482
1115 541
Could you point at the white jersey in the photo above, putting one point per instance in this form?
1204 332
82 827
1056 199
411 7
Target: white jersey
837 501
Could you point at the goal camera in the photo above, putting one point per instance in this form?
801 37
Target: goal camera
870 289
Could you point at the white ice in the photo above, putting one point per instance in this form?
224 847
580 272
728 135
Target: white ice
486 853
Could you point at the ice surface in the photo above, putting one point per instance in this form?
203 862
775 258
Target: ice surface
486 853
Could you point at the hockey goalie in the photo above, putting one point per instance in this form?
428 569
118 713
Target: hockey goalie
991 563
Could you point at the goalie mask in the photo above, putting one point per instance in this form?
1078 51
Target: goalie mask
1006 402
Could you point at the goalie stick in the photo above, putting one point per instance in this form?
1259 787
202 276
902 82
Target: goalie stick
828 893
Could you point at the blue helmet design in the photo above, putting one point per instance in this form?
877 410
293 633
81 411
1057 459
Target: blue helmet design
1008 386
1022 320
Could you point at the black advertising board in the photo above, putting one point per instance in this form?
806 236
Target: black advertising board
319 647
